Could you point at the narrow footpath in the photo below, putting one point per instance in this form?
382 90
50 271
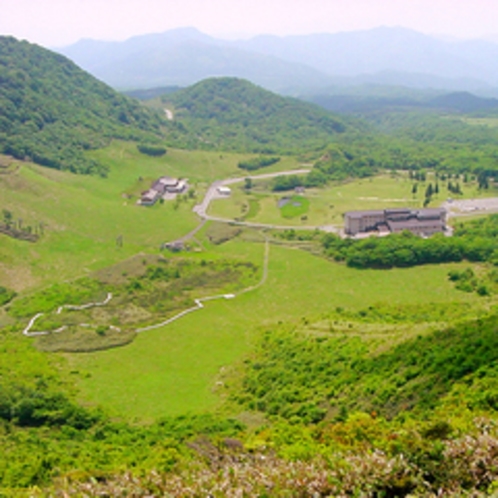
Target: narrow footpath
198 305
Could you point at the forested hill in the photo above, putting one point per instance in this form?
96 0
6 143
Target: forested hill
51 110
234 114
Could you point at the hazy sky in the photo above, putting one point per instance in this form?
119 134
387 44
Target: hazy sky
61 22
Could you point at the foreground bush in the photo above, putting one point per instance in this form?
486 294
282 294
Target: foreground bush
465 466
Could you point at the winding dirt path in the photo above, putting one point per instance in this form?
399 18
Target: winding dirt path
198 304
27 331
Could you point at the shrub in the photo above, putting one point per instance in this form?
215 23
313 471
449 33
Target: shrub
258 162
152 150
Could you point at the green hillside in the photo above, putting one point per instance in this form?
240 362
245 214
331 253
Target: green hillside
251 360
51 111
233 114
304 376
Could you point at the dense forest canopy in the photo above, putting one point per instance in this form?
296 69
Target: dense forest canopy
233 114
51 111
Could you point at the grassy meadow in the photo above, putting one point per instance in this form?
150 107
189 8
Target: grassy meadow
198 166
177 368
84 215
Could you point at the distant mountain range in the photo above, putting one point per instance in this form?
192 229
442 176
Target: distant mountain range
365 104
293 64
184 57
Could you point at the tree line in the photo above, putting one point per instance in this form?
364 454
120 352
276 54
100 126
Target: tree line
471 242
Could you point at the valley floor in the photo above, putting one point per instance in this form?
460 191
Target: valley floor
285 345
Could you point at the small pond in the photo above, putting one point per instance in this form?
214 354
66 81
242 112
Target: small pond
287 200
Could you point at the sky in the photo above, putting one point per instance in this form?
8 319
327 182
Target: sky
56 23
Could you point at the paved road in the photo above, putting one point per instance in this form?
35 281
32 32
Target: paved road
212 193
469 207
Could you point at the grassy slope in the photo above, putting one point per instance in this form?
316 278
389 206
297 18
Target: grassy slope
173 370
83 215
124 160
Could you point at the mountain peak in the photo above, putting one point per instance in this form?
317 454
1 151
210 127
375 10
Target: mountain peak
173 35
185 55
235 114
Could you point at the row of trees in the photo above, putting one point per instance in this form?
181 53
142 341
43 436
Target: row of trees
258 162
17 228
405 249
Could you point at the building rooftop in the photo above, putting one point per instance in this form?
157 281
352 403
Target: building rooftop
426 220
398 211
361 214
425 212
167 181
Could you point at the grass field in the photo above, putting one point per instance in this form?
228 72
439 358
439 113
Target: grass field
327 206
295 206
197 166
174 369
84 215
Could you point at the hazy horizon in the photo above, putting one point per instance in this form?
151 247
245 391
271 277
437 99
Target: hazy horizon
57 23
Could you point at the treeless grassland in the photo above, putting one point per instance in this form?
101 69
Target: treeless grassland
84 216
175 369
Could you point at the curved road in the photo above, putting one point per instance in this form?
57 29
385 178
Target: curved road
201 209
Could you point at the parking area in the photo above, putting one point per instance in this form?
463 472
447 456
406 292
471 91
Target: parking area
471 206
